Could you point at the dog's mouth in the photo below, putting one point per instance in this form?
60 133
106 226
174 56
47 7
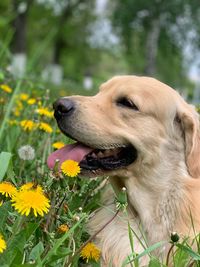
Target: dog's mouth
108 159
93 159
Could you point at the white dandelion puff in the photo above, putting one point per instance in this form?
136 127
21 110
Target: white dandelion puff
26 152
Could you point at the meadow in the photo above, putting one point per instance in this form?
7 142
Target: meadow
44 213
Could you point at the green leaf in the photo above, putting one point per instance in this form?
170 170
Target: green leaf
2 76
122 197
154 263
36 251
61 240
59 253
4 211
131 237
189 251
4 163
17 259
16 245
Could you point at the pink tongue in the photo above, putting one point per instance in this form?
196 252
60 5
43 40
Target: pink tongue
75 152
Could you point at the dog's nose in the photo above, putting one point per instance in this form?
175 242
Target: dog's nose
63 107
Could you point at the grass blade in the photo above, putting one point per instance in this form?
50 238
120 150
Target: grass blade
189 251
145 252
4 163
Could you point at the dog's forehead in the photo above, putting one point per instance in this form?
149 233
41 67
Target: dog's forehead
151 95
145 87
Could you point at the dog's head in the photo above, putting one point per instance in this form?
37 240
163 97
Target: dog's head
132 122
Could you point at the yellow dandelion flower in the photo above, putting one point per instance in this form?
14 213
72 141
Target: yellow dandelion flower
90 252
2 100
44 112
31 101
70 168
23 96
19 105
63 228
39 103
7 189
17 112
28 125
6 88
29 186
13 122
2 244
58 145
62 93
45 127
24 201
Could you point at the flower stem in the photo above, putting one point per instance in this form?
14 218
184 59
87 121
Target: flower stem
91 238
168 254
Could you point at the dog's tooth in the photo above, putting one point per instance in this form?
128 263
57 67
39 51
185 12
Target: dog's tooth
100 154
115 153
107 152
93 155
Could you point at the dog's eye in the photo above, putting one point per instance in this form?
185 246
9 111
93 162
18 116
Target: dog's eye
125 102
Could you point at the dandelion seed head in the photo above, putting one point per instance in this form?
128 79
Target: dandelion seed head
26 152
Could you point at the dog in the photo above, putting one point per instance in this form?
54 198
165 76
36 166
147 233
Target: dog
145 137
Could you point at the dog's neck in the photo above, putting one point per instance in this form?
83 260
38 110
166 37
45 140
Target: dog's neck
160 199
159 208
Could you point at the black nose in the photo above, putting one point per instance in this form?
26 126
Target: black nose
63 107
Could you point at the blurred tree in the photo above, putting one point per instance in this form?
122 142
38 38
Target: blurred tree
6 17
20 9
148 27
66 13
68 49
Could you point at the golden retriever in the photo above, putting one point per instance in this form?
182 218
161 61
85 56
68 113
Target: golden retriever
145 137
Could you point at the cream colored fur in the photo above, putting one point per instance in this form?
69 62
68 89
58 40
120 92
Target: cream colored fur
162 184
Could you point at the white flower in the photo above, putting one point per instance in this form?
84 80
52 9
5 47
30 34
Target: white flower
26 152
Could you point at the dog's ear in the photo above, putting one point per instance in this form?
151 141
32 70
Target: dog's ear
190 123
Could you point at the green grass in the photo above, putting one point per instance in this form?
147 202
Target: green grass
33 239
